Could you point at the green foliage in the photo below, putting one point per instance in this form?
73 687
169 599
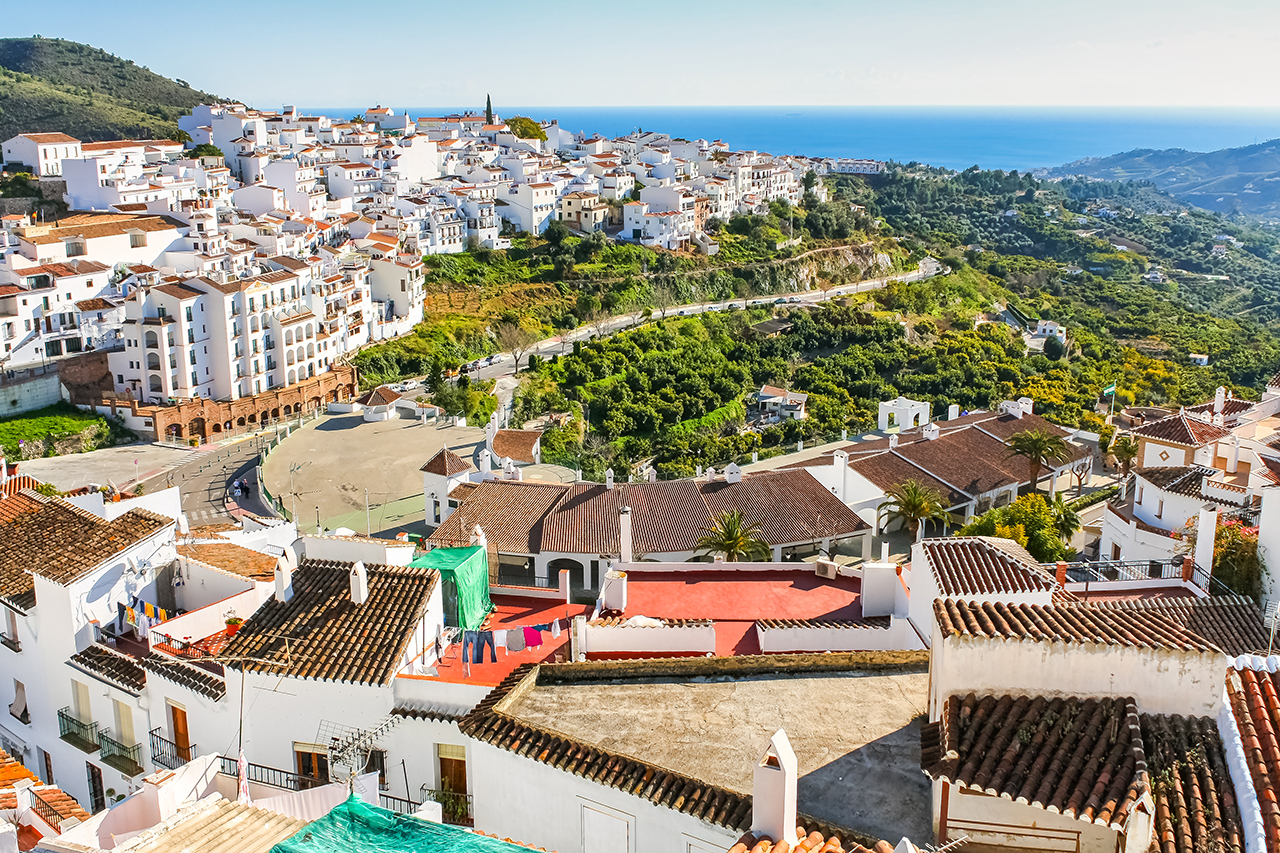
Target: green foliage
1041 449
730 416
60 419
204 149
526 128
734 539
18 185
912 504
57 85
1029 521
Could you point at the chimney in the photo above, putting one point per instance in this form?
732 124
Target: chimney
773 793
653 475
1233 459
478 538
359 578
1219 400
931 431
893 441
1028 405
24 799
711 474
953 412
1206 531
624 535
284 582
732 473
608 478
613 591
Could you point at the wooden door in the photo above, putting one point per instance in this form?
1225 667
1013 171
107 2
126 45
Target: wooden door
181 736
453 775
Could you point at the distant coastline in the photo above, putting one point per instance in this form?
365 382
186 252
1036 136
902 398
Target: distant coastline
954 137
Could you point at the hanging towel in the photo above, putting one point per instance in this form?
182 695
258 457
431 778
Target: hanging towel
545 626
515 640
532 637
149 609
555 630
500 639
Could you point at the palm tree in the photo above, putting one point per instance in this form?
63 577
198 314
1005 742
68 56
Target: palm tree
1041 449
1066 521
912 503
737 540
1125 451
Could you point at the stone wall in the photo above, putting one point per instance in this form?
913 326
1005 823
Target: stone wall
86 374
28 389
50 445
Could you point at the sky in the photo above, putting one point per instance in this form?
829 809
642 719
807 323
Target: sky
415 53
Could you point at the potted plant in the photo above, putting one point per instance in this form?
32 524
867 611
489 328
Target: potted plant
233 624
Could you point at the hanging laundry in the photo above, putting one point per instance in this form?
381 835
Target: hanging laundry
515 640
149 609
532 637
545 626
484 639
500 639
555 629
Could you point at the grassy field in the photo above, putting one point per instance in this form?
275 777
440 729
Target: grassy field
58 419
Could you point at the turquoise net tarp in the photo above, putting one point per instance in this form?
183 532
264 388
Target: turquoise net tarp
357 827
467 569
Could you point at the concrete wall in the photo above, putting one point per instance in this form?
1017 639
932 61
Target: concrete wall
832 638
1161 681
28 391
694 639
1003 824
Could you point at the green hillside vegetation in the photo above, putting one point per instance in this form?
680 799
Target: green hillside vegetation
1231 180
49 85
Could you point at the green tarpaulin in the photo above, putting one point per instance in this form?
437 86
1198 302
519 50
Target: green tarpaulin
465 573
357 827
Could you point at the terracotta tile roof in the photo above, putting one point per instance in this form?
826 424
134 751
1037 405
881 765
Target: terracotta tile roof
788 505
94 304
319 633
1231 407
113 667
48 138
65 270
509 512
1113 624
462 490
1082 758
380 396
90 225
62 542
180 290
814 842
516 444
214 824
886 470
437 713
13 485
190 676
969 460
235 559
446 463
1254 703
666 517
983 565
12 770
1232 623
1184 480
1192 788
1270 469
1183 430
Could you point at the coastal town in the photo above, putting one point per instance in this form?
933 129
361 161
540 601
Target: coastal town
847 642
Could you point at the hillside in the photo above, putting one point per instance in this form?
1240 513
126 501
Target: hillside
1232 180
56 85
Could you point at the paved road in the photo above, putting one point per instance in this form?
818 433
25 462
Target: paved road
206 478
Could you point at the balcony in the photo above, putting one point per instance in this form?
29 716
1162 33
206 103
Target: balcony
46 812
10 642
166 753
123 757
83 736
272 776
455 808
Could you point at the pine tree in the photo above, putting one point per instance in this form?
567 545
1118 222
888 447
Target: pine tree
488 110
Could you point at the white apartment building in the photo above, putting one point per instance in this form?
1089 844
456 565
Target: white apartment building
40 313
41 154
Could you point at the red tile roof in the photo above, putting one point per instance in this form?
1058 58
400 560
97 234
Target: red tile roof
982 565
1254 703
1119 624
1182 429
380 396
446 463
814 842
510 513
1191 785
788 506
1082 758
517 444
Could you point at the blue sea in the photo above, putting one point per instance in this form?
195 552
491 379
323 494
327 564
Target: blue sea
953 137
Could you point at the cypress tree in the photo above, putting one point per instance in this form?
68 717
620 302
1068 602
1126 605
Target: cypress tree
488 110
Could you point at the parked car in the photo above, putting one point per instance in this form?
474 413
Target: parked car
408 385
794 299
681 313
781 300
497 358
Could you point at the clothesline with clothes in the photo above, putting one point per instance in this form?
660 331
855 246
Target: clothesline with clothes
514 639
140 615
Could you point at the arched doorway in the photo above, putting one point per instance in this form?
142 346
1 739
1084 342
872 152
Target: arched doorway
195 429
577 573
239 422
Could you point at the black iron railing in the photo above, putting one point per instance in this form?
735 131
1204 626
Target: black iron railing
11 642
47 813
83 736
530 580
127 758
398 804
272 776
455 808
1104 571
166 753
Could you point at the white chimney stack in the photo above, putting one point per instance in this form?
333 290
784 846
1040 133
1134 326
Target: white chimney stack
953 412
1028 405
478 537
1206 532
613 591
4 470
359 578
773 793
1219 400
893 441
931 431
284 582
732 473
608 478
625 551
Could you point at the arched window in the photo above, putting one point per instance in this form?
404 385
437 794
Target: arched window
155 384
311 350
288 337
253 324
293 375
308 331
153 340
288 358
153 361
